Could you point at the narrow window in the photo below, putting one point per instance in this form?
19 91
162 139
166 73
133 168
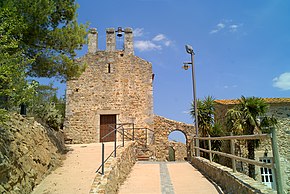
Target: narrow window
109 68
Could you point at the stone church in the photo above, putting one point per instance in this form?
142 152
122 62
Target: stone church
116 87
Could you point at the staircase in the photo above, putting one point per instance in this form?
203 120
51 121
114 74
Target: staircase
144 153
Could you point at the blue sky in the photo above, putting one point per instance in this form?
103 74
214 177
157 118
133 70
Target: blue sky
241 47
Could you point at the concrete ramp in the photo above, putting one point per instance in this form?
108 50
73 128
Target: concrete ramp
166 178
78 171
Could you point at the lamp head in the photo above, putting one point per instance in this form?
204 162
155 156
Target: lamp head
189 49
185 66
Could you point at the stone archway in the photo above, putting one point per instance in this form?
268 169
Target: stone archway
162 128
177 141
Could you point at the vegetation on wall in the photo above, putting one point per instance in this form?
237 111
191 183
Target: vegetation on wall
47 108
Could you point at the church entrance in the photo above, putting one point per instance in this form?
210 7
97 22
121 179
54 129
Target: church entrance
107 125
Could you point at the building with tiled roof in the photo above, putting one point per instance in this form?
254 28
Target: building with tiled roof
280 109
268 100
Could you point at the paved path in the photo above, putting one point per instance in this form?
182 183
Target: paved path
166 178
78 171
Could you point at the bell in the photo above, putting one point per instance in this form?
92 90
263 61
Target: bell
119 32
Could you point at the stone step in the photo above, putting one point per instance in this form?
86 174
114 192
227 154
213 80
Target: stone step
143 158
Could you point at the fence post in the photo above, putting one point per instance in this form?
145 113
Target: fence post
209 147
193 146
276 157
233 153
103 158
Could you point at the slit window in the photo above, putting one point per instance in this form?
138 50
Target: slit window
109 68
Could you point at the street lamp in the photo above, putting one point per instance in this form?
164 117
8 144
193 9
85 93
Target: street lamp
190 51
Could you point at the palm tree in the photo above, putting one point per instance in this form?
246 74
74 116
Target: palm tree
206 123
205 113
244 119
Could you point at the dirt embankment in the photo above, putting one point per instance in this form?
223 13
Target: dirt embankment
28 152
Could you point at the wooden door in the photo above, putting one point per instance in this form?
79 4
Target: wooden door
107 125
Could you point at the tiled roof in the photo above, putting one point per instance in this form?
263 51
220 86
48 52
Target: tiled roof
268 100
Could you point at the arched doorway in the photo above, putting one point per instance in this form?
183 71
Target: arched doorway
177 149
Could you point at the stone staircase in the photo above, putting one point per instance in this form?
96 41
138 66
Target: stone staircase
144 153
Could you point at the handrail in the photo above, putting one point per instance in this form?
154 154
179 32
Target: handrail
240 137
106 160
121 130
275 165
263 164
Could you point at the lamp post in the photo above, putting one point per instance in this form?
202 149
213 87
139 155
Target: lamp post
190 51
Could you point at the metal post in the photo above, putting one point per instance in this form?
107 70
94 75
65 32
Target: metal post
209 145
276 161
195 104
103 158
123 139
233 153
146 136
115 144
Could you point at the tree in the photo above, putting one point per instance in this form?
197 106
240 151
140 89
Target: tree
14 88
38 38
206 124
48 35
205 114
244 119
47 108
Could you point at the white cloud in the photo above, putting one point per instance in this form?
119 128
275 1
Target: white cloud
159 37
218 28
232 86
233 28
167 42
138 32
283 81
163 39
146 45
227 25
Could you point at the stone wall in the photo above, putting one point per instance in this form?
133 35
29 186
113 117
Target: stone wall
116 170
162 128
27 155
229 181
282 112
114 83
180 150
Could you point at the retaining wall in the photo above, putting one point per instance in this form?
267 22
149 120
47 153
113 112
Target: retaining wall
116 170
229 181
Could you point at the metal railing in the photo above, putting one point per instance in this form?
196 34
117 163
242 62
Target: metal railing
275 165
120 129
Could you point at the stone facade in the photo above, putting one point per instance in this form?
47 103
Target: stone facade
280 109
115 82
162 128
